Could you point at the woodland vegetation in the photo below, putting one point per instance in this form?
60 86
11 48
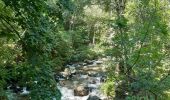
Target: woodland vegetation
39 37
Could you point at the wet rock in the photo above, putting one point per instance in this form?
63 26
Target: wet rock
98 79
73 70
75 83
62 83
84 76
93 98
73 65
59 77
92 65
81 72
84 64
25 91
88 62
104 68
66 73
99 62
91 89
93 86
69 65
85 67
81 91
15 88
93 82
78 65
104 59
103 79
92 74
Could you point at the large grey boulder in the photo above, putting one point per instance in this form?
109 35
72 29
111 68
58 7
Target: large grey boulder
81 91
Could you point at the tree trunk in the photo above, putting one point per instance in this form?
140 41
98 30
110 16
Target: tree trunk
121 89
94 37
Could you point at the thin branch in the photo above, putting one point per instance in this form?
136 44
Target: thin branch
14 30
5 25
142 43
17 33
164 78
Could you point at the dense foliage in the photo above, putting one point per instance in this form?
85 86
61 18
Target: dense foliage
39 37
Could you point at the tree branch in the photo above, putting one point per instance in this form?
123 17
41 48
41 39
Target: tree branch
17 33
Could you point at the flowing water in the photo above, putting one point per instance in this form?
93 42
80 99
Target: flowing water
88 75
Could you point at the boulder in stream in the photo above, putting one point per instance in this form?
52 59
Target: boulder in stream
88 62
24 91
66 74
98 62
93 98
81 91
72 70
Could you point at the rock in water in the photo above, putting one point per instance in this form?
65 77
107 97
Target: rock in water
84 76
84 64
98 62
58 77
15 88
24 91
103 79
72 70
81 91
88 62
66 73
93 98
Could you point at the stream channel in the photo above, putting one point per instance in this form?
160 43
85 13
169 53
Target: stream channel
82 81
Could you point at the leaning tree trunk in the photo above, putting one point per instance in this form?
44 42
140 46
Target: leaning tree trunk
122 85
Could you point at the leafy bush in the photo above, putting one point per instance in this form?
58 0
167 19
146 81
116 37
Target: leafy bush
108 88
83 53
